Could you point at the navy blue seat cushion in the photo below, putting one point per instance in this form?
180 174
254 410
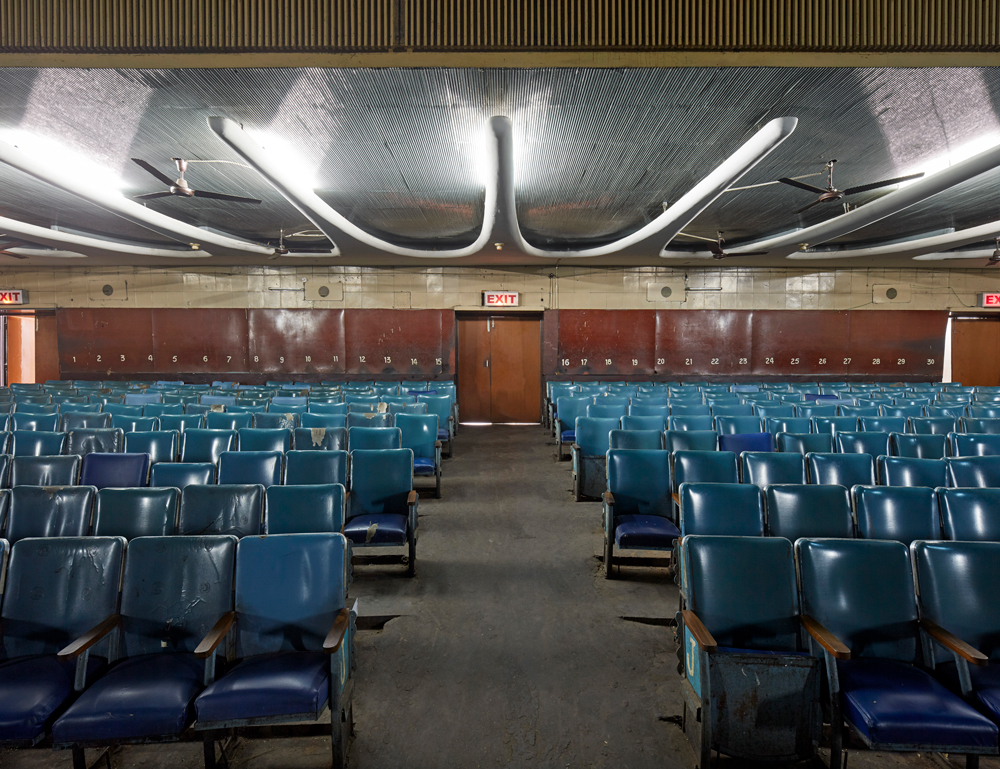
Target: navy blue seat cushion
391 529
443 435
142 696
423 466
985 685
31 688
567 436
638 531
277 684
894 703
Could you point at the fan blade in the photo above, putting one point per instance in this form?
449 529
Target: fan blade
5 252
884 183
802 185
806 208
715 248
152 195
148 168
221 196
748 253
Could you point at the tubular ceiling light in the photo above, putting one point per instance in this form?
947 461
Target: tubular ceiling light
67 241
922 249
111 200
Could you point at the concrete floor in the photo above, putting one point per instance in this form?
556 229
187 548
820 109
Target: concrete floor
509 647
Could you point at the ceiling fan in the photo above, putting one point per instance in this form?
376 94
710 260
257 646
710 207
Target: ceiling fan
832 193
994 259
179 186
6 244
715 246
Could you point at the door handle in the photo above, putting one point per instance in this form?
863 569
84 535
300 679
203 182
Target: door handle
487 364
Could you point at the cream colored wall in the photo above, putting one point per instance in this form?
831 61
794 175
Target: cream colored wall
460 287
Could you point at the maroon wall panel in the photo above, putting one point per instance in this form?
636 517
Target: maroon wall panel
891 343
200 341
601 342
103 344
791 343
400 342
550 341
299 341
703 343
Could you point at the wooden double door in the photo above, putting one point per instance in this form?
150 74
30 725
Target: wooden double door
975 351
499 368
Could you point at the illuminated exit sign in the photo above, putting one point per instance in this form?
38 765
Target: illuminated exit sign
990 300
13 296
499 298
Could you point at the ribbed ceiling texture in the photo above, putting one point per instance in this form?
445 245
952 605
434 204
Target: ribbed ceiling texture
403 153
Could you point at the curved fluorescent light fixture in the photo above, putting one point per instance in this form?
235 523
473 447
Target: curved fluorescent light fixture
60 240
924 249
127 209
673 219
977 253
48 253
893 203
337 228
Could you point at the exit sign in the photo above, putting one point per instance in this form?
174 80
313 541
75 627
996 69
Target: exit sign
499 298
13 296
990 300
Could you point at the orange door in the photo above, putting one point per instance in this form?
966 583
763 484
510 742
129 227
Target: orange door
499 368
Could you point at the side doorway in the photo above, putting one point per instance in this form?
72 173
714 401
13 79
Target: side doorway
975 350
499 367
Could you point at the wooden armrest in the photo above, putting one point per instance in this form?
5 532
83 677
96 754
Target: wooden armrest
953 643
705 639
609 498
336 635
676 497
411 498
211 641
575 447
825 638
437 444
91 637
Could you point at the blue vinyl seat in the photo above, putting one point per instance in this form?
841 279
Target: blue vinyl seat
970 514
164 409
174 591
742 622
918 445
910 471
740 442
104 440
304 509
643 423
730 425
141 399
874 443
732 410
442 405
419 434
901 411
294 640
985 426
815 411
46 422
160 445
286 421
22 407
932 425
264 439
130 424
833 425
858 411
54 595
980 472
703 467
640 409
846 470
691 440
369 420
320 438
45 471
883 424
699 423
250 467
796 425
678 409
637 504
589 456
974 444
197 408
180 475
84 421
636 439
114 470
762 468
568 408
37 443
374 438
181 423
808 510
200 445
858 599
367 402
382 507
54 511
804 443
902 513
603 410
774 411
729 509
132 513
236 509
329 421
235 420
307 467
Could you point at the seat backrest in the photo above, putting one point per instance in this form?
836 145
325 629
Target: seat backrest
327 409
932 425
816 411
763 468
104 440
643 423
381 481
980 472
441 405
732 410
228 420
84 421
957 590
181 423
918 446
174 590
846 470
160 445
141 399
639 479
21 407
770 411
568 408
272 420
740 442
982 412
250 467
180 475
200 445
862 592
680 409
130 424
730 509
692 440
858 411
699 423
54 593
328 421
704 467
606 410
418 433
908 471
370 400
289 587
641 409
304 509
874 443
902 513
114 470
307 467
320 438
636 439
794 425
974 444
236 509
727 425
264 439
882 424
163 409
832 425
369 420
374 438
46 422
37 443
132 513
985 426
804 443
592 435
49 511
743 590
808 510
970 514
45 471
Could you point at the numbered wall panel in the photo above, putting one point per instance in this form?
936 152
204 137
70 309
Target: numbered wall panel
395 343
703 343
602 342
306 341
106 343
200 341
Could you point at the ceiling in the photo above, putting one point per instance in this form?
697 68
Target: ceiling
401 153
